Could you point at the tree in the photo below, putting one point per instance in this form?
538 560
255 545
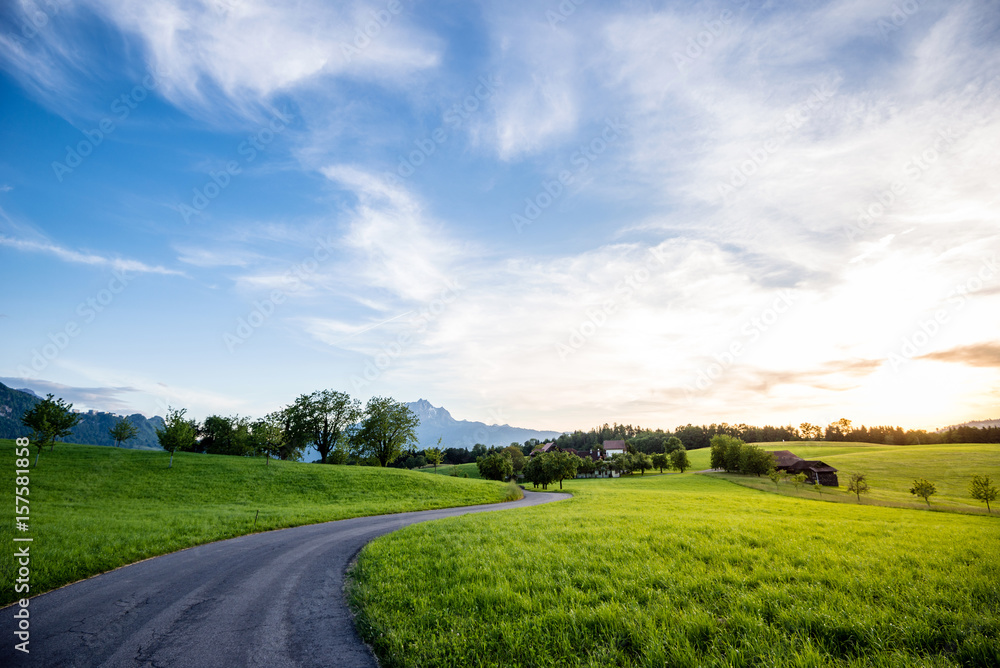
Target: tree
565 465
268 435
587 466
858 483
755 461
673 444
177 433
540 470
810 432
516 457
324 418
434 456
777 476
839 430
123 431
495 467
798 479
661 461
226 436
293 439
923 488
48 420
389 426
726 452
981 488
642 462
718 453
679 460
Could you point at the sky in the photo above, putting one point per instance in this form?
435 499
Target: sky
547 214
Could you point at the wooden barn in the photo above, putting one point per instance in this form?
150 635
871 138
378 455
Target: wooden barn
784 458
816 471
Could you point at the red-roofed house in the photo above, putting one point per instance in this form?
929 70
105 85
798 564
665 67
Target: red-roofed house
614 448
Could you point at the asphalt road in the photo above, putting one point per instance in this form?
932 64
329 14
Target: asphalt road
270 599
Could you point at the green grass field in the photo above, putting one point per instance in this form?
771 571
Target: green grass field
891 471
96 508
470 470
684 570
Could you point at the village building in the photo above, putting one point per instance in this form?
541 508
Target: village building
612 448
816 471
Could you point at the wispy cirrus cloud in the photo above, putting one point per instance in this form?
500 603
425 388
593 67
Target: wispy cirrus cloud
81 257
980 355
232 59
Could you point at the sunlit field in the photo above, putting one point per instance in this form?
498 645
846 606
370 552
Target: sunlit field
685 570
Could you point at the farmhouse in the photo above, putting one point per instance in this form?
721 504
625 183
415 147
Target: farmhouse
612 448
816 471
547 447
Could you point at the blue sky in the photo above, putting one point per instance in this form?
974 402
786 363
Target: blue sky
546 214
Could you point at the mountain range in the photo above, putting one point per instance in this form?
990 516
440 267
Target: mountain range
436 422
91 430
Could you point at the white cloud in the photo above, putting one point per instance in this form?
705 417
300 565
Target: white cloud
77 257
395 246
251 50
220 58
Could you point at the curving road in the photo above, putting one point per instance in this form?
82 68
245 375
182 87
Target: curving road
269 599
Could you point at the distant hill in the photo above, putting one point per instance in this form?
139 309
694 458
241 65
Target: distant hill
92 429
978 424
436 422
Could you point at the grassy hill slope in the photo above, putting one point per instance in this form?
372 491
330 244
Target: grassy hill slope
685 570
96 508
891 469
470 470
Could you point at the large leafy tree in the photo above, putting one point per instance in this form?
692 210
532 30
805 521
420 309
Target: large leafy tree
388 428
227 436
679 460
177 433
673 444
496 466
323 418
517 459
48 420
565 465
541 470
755 461
122 431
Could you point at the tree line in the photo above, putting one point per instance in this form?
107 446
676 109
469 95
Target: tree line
336 425
556 465
695 437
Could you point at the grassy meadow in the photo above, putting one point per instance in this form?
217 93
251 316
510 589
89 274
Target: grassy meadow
95 508
891 470
470 470
684 570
